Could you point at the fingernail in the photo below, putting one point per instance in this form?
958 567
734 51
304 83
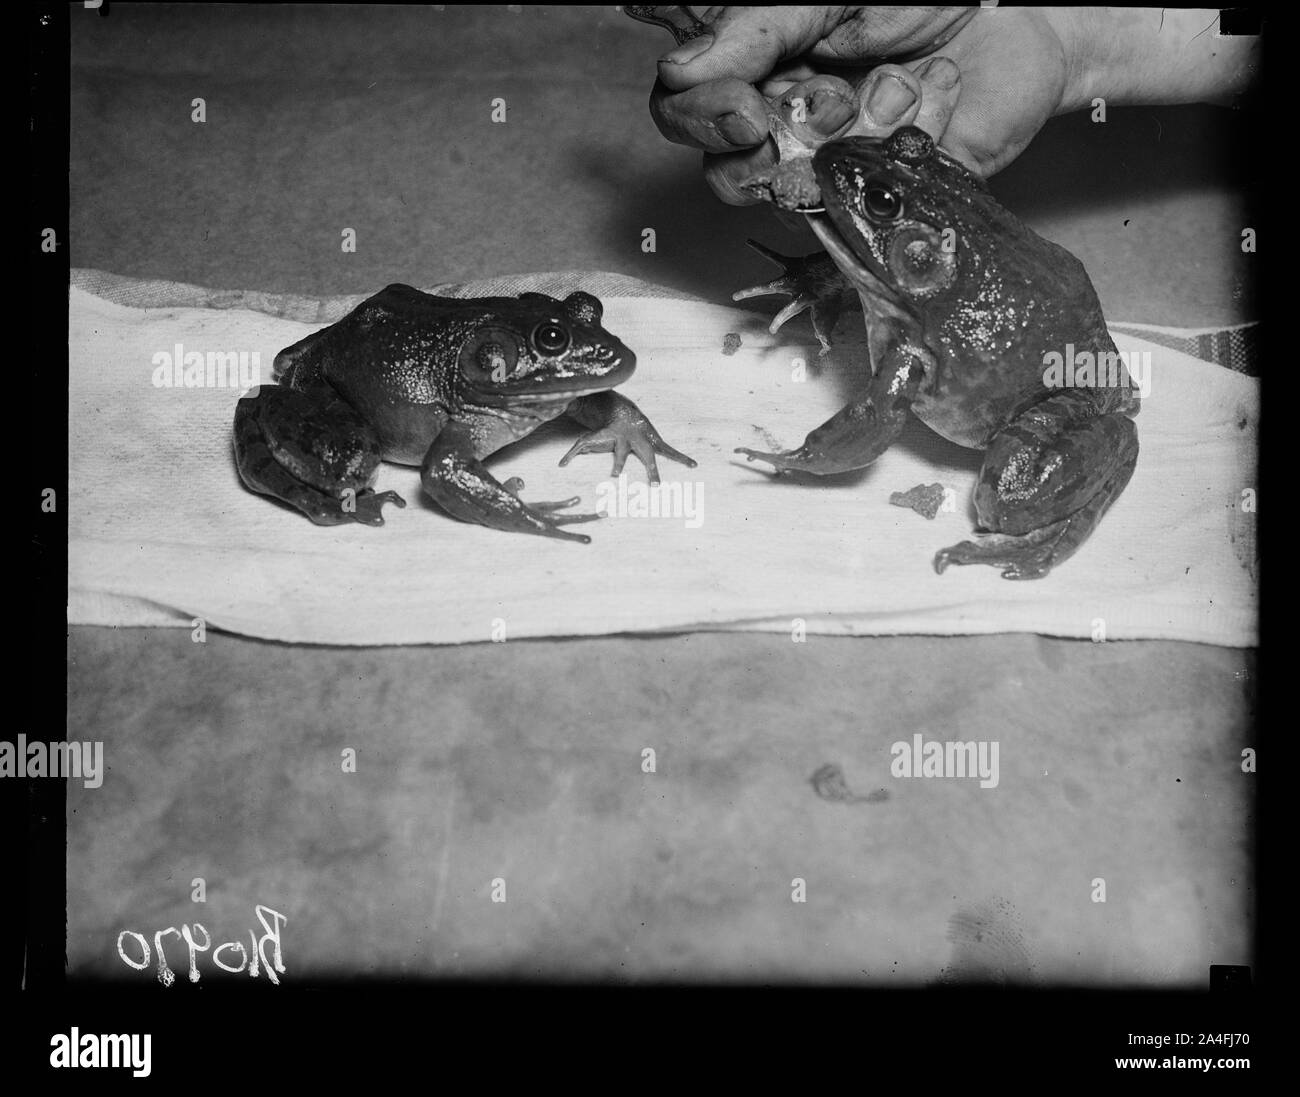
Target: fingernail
736 128
889 99
688 52
941 72
828 113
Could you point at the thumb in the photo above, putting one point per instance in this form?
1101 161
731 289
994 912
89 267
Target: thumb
747 44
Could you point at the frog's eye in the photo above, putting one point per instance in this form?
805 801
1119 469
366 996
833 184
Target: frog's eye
881 201
550 338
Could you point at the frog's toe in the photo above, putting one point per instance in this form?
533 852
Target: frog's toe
801 304
542 517
795 460
565 535
604 440
814 285
516 484
321 512
627 439
548 524
797 281
546 512
369 506
644 448
946 556
780 462
558 504
365 507
759 455
545 520
646 455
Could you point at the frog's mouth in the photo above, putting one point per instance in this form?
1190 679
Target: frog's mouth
843 255
556 387
866 281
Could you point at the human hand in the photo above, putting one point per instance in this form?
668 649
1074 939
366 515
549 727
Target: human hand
982 82
978 88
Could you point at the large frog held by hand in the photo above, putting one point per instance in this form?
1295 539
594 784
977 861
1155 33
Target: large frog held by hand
440 383
965 308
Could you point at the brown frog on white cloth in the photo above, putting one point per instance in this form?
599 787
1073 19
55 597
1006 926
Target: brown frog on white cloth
966 310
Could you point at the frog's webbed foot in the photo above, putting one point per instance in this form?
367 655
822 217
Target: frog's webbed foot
813 282
859 432
619 426
547 511
1046 481
457 481
367 507
1026 556
313 452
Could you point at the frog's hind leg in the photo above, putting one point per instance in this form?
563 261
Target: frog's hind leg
1046 481
312 451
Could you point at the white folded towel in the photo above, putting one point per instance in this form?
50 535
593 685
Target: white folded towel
162 531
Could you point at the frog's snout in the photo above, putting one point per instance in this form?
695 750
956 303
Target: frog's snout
603 367
622 365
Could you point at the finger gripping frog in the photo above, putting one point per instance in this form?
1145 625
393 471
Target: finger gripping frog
965 309
440 383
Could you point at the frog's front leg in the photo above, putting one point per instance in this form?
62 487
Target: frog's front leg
311 450
619 425
459 483
812 282
1045 483
861 431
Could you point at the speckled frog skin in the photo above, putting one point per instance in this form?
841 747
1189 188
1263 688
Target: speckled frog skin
440 383
964 304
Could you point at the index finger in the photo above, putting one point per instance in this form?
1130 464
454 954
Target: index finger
719 116
747 43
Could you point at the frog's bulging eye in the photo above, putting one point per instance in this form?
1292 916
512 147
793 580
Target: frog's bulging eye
881 201
550 338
